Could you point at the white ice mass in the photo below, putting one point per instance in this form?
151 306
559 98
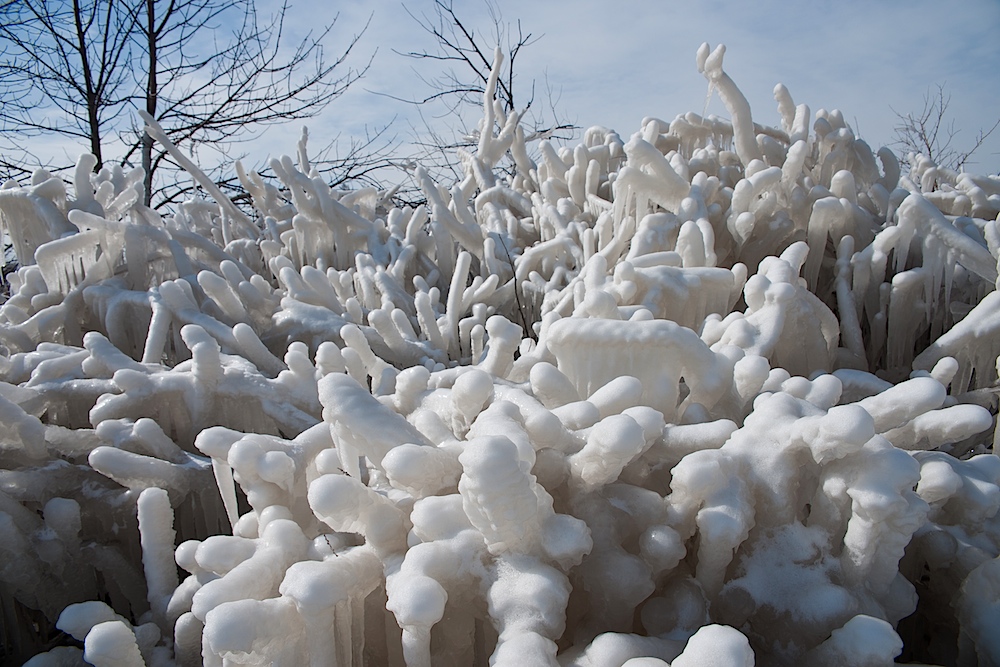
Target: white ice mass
718 394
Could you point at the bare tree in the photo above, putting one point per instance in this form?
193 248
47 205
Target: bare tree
76 67
215 96
460 67
931 133
65 73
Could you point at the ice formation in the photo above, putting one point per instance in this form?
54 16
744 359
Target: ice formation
720 394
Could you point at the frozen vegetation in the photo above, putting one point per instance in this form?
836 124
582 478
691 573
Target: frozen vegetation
719 393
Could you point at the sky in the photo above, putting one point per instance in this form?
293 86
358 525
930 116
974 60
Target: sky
614 63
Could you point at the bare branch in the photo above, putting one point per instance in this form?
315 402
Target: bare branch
457 90
932 134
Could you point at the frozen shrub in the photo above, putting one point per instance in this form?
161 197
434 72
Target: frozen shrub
720 394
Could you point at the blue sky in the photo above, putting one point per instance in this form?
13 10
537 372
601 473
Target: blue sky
613 63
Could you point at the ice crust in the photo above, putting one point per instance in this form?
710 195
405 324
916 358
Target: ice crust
719 394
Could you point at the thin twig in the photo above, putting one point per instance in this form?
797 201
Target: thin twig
517 298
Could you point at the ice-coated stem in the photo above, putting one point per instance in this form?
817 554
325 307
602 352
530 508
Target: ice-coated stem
156 534
710 64
112 644
489 114
154 130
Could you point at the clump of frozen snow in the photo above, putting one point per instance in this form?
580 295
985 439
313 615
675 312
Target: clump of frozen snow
719 394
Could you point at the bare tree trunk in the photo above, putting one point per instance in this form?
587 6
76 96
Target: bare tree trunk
93 118
151 94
